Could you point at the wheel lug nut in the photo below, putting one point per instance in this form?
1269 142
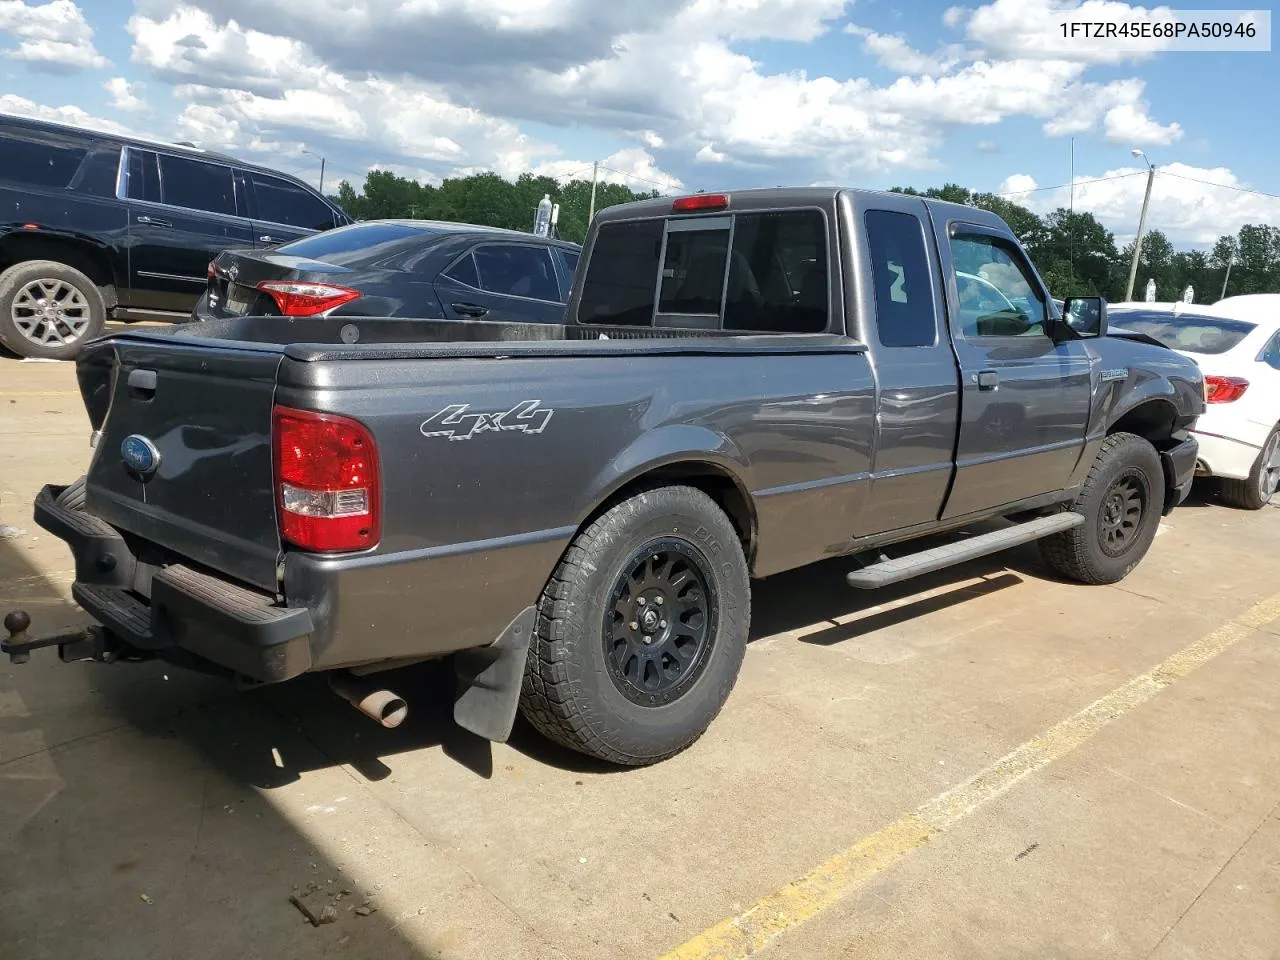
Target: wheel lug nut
641 601
658 601
648 639
633 625
663 625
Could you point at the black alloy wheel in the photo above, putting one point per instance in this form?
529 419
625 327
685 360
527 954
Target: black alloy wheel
659 620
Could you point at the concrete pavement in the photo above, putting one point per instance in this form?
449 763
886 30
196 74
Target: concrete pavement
1156 835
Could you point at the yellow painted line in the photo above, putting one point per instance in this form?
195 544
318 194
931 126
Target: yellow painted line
801 900
38 393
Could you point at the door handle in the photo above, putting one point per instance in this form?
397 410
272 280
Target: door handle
142 384
988 380
470 309
153 221
268 239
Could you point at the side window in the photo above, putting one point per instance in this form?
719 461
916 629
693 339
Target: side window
778 273
570 261
998 297
517 270
1271 355
144 176
196 185
464 271
622 273
39 159
693 270
283 202
97 175
900 277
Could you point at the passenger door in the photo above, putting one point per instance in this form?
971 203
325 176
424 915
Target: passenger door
915 369
1025 398
183 211
284 211
502 281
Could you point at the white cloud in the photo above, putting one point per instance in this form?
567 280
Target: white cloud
988 146
22 107
1183 208
53 36
663 74
894 53
1032 29
633 167
123 94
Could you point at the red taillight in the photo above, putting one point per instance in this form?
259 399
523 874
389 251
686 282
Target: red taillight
326 481
297 298
701 201
1224 389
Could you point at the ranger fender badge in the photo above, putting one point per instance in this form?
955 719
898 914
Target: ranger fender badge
456 423
1120 373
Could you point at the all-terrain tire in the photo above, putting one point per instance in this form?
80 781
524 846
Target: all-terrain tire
78 315
1127 469
575 691
1256 490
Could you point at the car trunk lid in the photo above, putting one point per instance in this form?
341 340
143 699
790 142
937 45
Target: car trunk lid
234 276
183 458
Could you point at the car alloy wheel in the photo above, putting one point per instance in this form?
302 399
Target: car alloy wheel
50 312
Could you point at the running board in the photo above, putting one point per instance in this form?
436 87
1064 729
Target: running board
939 558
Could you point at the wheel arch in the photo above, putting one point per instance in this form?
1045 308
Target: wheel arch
683 455
90 258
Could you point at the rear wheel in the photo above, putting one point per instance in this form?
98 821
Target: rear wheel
1121 502
48 310
1256 490
641 629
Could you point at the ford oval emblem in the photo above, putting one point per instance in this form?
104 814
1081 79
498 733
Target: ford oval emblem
140 455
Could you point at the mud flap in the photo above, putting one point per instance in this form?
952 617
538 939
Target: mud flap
489 680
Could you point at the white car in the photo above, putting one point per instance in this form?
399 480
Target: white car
1236 342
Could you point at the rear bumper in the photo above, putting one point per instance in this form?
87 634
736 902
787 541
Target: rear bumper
1179 464
175 610
1224 457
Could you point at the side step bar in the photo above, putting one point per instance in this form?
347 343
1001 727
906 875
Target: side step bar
939 558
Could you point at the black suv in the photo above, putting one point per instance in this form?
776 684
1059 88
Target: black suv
99 227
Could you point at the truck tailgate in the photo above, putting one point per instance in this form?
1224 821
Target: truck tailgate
202 413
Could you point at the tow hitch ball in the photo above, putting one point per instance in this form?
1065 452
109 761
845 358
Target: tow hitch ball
87 643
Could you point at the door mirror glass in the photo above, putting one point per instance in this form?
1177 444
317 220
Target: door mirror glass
1086 316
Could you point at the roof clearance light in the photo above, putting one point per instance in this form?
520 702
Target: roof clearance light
700 201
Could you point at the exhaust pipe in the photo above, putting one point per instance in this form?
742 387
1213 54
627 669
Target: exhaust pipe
373 701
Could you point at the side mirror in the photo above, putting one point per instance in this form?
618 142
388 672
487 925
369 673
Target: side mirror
1085 317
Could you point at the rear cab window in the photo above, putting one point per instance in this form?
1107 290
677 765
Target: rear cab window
759 272
901 280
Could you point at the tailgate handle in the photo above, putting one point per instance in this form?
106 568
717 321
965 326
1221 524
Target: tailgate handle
142 384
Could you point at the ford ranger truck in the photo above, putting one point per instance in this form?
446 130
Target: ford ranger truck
744 383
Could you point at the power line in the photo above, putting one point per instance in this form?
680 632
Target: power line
632 176
1210 183
1118 176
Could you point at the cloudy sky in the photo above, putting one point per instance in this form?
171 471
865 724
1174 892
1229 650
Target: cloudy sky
673 94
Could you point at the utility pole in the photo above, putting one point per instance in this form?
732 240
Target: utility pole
312 153
595 171
1142 225
1071 202
1227 276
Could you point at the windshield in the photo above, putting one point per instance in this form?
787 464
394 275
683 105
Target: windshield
345 245
1192 332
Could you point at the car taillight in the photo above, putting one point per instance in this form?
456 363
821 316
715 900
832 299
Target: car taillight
1224 389
700 201
327 487
297 298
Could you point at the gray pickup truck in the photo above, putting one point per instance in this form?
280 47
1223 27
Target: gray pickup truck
743 384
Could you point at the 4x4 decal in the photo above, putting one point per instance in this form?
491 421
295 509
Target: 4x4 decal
456 423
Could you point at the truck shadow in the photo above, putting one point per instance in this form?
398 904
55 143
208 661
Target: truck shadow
335 734
129 789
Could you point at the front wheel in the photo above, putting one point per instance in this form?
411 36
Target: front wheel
641 629
1121 501
1256 490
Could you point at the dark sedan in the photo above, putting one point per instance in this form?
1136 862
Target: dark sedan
397 268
